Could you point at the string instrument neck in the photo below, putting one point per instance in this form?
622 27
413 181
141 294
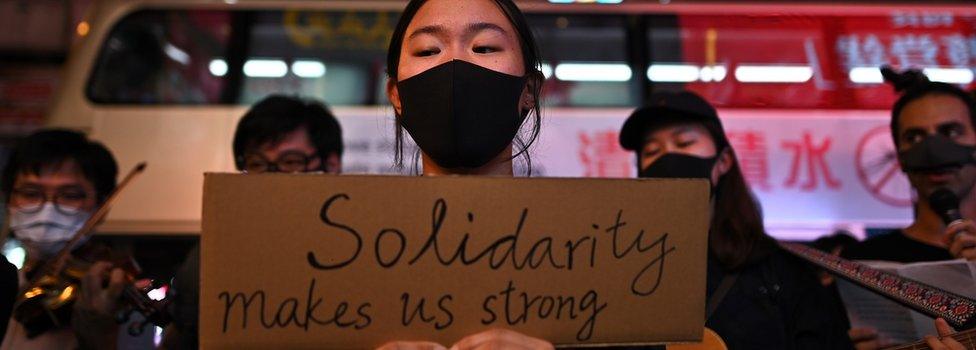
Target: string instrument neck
967 338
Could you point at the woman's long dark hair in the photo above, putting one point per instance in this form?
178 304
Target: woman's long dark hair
530 57
736 237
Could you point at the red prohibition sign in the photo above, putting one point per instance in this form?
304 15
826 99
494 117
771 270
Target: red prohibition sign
877 167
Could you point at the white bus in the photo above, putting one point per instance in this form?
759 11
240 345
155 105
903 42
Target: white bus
798 85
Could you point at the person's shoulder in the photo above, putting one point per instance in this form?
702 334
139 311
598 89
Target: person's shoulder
8 273
6 267
790 268
188 275
885 238
872 248
783 259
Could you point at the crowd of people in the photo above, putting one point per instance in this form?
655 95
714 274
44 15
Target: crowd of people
466 88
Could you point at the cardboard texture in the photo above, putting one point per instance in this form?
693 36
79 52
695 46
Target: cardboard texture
351 262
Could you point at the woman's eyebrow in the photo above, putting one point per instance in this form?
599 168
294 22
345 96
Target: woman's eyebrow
681 130
435 30
475 28
471 30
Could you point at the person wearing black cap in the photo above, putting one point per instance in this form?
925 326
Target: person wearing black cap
758 296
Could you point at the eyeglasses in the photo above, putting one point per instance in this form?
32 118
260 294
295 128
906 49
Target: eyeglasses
288 162
31 200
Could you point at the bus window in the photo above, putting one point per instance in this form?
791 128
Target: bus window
339 57
585 60
161 57
239 57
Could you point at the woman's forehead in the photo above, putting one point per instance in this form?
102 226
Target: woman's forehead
672 129
456 17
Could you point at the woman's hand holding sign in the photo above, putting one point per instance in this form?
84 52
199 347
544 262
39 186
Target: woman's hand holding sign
491 339
411 345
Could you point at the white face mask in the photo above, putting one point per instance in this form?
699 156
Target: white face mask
46 231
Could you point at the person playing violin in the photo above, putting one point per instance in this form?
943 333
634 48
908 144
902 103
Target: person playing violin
53 183
283 134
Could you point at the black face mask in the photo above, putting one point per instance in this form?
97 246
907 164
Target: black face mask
461 114
676 165
936 153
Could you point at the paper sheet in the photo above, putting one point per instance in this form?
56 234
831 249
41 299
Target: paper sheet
897 324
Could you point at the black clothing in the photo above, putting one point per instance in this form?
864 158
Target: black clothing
897 247
186 302
777 303
8 293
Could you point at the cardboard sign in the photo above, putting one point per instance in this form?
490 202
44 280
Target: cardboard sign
319 261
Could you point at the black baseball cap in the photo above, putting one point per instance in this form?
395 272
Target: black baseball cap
682 104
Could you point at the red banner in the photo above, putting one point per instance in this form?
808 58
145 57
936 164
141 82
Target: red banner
833 47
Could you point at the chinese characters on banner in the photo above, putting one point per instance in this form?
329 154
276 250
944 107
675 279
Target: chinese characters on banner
842 51
811 157
807 168
909 39
601 155
753 153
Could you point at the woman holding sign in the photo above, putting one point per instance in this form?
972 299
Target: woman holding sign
463 78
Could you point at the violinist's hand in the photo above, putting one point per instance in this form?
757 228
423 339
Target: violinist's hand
101 288
943 342
94 313
961 240
501 339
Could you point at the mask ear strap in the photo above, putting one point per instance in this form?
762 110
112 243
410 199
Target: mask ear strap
714 186
533 81
721 152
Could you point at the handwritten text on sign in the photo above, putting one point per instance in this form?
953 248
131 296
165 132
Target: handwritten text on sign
355 261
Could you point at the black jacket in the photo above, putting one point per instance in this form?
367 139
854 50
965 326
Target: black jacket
777 303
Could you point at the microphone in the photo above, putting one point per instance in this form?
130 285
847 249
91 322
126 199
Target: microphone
946 204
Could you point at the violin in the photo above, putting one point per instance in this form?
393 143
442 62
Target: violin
47 302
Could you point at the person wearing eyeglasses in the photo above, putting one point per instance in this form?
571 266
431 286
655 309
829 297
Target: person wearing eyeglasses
53 182
278 134
290 135
282 134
